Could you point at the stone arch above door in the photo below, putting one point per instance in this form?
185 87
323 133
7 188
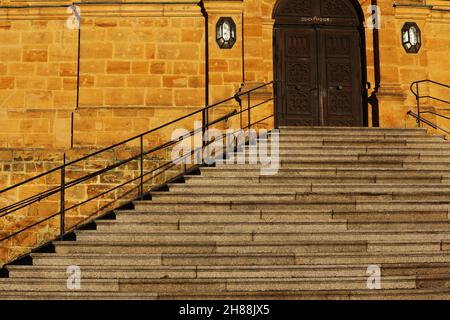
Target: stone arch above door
336 12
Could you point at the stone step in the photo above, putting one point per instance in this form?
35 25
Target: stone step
211 206
385 144
324 164
343 133
340 150
103 247
142 227
279 196
350 139
293 148
235 179
211 285
372 258
86 259
115 272
285 215
322 158
56 285
338 154
331 171
257 285
355 130
305 164
197 272
226 247
95 259
405 269
386 215
351 235
271 226
254 188
235 272
76 295
274 194
285 137
375 132
391 294
228 216
416 165
309 258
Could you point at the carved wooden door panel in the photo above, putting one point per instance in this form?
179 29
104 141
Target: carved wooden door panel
297 67
340 77
320 72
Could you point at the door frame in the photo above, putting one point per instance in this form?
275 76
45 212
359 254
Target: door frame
280 90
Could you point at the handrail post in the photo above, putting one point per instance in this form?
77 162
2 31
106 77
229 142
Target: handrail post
141 167
62 200
418 103
205 122
248 111
205 128
240 115
275 102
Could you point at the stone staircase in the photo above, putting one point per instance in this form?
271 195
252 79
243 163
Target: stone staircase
343 199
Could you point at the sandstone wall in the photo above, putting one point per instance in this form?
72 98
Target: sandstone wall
18 165
133 67
140 65
400 69
129 68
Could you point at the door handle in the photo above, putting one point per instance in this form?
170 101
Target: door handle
339 87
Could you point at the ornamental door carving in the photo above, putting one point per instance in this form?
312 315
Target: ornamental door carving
318 64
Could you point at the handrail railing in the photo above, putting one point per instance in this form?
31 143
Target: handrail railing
63 185
415 89
427 122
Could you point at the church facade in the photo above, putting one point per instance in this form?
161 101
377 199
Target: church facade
90 74
75 77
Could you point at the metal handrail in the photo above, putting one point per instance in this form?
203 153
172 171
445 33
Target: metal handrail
63 186
437 114
139 135
416 85
427 122
23 203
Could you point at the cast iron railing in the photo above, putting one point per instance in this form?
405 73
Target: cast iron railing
416 90
64 185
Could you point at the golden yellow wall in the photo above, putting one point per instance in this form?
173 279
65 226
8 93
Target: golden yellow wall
16 165
142 65
399 69
139 66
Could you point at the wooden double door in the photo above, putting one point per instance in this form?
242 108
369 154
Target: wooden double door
319 73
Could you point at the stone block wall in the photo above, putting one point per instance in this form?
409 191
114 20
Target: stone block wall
134 67
138 63
399 69
17 165
130 66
